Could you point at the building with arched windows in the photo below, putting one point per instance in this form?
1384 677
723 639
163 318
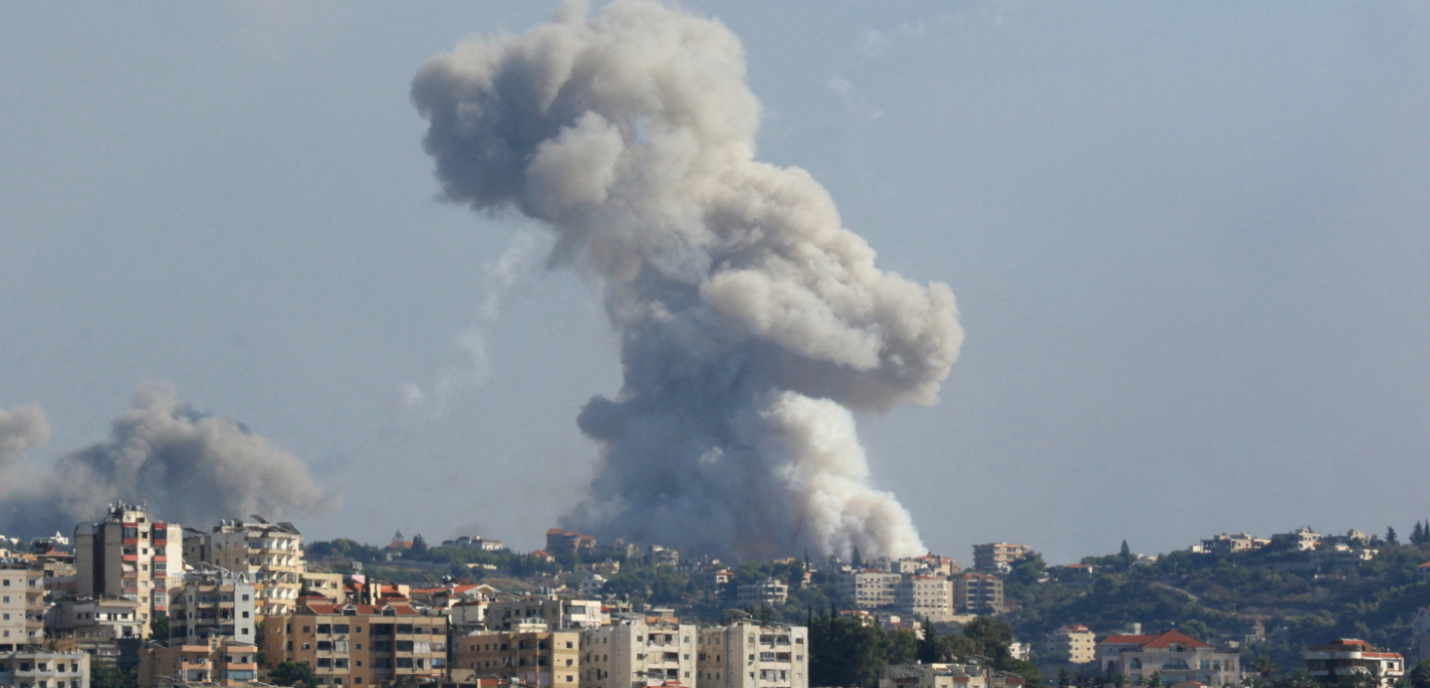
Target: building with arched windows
1174 655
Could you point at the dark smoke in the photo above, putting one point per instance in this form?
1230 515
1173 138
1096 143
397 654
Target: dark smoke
753 323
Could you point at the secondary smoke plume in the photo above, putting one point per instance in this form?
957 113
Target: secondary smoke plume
753 323
190 467
21 429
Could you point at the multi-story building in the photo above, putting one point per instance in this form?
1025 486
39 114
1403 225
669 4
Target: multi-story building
926 597
536 657
558 541
751 655
1301 539
1175 656
996 556
660 555
929 565
978 592
325 583
214 603
212 662
22 605
870 588
131 557
768 592
1352 661
42 669
271 554
634 653
1077 641
558 614
358 645
96 626
932 676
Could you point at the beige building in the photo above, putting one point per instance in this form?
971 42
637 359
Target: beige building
325 583
870 588
213 662
558 541
751 655
22 605
271 554
131 557
1076 640
931 676
638 653
1351 661
358 645
926 597
42 669
536 657
996 555
214 603
94 626
978 592
558 614
768 592
1174 655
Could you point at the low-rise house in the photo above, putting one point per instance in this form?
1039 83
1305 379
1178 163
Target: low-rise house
1173 655
1232 544
1353 661
1301 539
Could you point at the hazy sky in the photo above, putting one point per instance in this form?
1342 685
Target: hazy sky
1190 244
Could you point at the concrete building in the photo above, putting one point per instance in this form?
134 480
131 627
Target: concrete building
932 676
214 603
271 554
1351 661
559 541
929 565
95 627
1077 641
660 555
358 645
1232 544
131 557
1300 539
22 605
751 655
536 657
325 583
870 588
978 592
1176 656
558 614
926 597
634 653
768 592
42 669
997 555
211 662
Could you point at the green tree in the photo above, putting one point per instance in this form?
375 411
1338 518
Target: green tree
1390 538
1126 553
110 676
1416 534
1420 676
1064 679
419 545
159 627
1155 681
845 652
293 674
903 647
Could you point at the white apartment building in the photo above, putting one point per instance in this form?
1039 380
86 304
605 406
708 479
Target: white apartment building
870 588
638 653
271 554
1351 661
131 557
751 655
558 614
768 592
926 597
41 669
214 603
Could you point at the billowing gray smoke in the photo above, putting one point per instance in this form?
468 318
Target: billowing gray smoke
21 429
191 468
752 321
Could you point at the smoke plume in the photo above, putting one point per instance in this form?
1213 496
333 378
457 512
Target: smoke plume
753 324
189 467
21 429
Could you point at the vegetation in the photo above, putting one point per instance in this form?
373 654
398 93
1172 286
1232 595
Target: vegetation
103 675
293 674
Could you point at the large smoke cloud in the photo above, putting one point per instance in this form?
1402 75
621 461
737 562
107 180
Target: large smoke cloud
753 323
21 429
189 467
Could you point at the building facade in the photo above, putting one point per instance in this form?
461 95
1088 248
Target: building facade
926 597
214 603
271 554
41 669
870 588
130 557
1174 655
1353 661
997 555
978 592
358 645
22 606
1077 641
558 614
536 657
751 655
638 653
214 661
768 592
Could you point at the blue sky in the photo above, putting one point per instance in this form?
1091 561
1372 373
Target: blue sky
1190 243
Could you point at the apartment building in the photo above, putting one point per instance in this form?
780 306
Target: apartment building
1176 656
932 676
752 655
325 583
926 597
22 605
131 557
95 626
769 592
214 662
43 669
558 614
558 541
1352 661
358 645
634 653
978 593
870 588
1076 640
929 565
535 656
271 554
214 603
996 556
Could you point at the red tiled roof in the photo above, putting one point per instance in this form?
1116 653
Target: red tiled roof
556 531
1156 640
362 609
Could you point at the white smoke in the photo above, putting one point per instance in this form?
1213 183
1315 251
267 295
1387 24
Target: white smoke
189 467
752 321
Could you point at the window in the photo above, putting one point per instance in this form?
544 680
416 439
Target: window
404 662
340 628
324 628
